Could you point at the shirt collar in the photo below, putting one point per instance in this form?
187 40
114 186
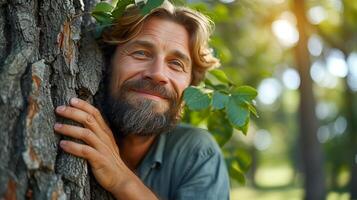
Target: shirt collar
154 157
160 148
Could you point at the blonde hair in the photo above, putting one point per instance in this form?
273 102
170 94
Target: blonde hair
197 25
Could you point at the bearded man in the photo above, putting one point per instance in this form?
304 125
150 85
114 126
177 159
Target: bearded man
138 150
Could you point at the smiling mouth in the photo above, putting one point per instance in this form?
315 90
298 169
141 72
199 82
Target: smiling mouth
149 95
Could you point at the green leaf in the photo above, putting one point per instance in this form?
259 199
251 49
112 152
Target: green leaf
236 174
195 118
114 2
220 75
244 93
220 87
120 8
150 5
243 159
103 18
219 127
196 99
237 114
245 127
252 109
219 100
103 7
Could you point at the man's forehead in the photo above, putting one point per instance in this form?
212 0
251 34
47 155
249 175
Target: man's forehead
165 30
157 31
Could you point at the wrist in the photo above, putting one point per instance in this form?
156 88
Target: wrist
124 181
132 188
121 189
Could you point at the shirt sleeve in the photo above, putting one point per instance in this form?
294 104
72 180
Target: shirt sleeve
205 175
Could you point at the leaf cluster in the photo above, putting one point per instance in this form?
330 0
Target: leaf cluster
106 13
229 105
226 107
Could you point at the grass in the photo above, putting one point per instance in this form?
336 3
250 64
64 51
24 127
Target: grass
276 183
248 193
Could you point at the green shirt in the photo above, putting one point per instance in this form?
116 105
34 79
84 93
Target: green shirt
185 163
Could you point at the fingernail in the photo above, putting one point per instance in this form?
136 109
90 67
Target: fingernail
63 143
74 100
57 125
60 108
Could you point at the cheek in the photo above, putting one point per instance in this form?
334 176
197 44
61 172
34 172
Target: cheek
181 83
123 71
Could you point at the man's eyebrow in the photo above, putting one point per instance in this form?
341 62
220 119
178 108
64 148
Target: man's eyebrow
182 56
142 43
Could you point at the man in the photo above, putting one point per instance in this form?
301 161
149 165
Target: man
143 153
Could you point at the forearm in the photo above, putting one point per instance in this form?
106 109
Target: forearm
133 189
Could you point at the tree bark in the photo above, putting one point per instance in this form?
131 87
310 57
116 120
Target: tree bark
314 180
47 56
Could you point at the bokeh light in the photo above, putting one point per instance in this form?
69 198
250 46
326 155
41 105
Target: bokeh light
227 1
286 32
291 79
352 68
340 125
325 110
352 63
336 63
337 4
316 14
321 76
323 134
315 45
262 139
269 90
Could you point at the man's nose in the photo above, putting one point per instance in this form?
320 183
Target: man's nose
157 72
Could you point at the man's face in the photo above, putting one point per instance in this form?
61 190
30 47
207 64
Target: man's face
149 75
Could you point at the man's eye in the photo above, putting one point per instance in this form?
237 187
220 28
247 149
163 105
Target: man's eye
140 54
177 65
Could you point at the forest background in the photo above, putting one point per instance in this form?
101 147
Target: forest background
302 58
301 55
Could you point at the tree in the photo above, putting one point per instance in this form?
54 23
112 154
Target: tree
310 147
48 55
344 38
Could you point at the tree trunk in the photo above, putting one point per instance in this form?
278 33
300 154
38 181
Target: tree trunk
351 109
47 56
314 180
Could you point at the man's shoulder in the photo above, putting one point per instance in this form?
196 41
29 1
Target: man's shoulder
192 139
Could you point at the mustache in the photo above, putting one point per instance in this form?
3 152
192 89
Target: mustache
149 86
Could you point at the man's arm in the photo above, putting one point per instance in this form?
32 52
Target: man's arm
100 150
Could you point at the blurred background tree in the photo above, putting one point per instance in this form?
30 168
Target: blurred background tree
302 57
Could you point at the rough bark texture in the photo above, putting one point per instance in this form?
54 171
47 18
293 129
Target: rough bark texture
311 151
47 56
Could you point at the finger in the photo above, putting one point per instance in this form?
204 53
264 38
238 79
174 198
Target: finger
82 151
84 134
87 107
86 119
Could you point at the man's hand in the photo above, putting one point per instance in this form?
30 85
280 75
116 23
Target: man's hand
100 148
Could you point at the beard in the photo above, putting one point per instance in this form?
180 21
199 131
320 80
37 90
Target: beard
138 116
